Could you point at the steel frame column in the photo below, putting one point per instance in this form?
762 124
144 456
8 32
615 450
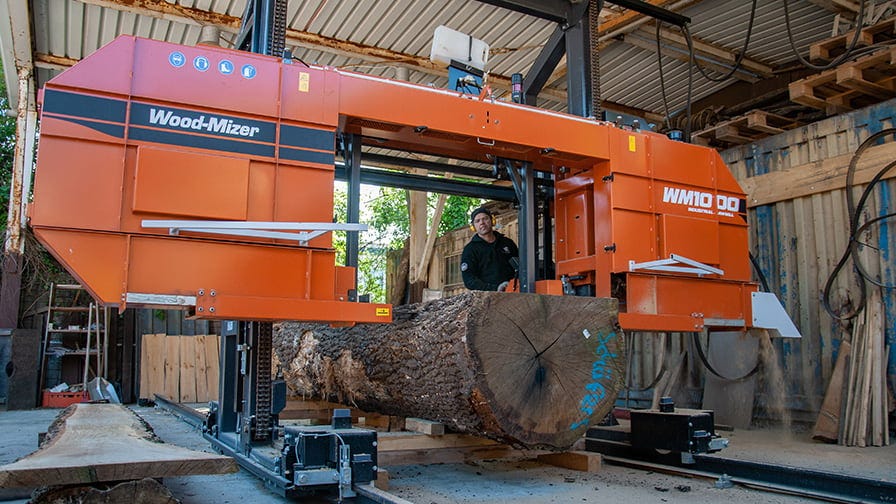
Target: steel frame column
263 29
544 65
528 231
352 156
580 96
523 180
547 236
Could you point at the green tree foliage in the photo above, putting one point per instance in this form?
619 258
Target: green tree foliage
7 150
385 210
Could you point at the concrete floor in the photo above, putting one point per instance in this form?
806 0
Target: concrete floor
517 480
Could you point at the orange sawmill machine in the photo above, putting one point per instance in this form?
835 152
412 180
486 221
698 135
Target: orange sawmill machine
201 178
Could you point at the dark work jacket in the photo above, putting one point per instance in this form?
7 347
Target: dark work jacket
485 265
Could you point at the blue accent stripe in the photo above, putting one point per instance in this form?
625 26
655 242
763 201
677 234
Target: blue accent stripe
202 142
327 158
296 136
90 107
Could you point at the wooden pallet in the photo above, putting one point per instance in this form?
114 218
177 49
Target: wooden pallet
852 85
748 128
828 49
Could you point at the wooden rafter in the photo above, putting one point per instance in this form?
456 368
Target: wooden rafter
712 51
838 6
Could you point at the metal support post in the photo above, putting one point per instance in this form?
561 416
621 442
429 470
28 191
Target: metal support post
230 383
13 243
581 52
524 184
547 235
528 232
353 176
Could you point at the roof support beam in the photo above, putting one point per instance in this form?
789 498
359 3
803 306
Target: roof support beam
654 11
630 20
558 10
552 10
838 6
646 41
551 54
710 51
544 65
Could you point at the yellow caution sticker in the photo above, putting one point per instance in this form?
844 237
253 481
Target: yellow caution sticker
304 81
383 312
631 143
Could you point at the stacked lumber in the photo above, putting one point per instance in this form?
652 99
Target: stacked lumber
527 369
748 128
181 368
863 411
852 85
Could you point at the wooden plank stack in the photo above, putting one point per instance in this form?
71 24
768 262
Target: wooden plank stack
181 368
748 128
863 421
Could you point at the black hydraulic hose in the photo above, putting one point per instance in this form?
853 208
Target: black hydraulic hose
659 60
740 55
687 35
712 370
659 374
862 271
839 59
762 280
854 212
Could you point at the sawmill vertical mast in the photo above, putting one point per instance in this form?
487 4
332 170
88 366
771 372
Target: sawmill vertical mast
248 370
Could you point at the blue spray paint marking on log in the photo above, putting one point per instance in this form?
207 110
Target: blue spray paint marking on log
595 391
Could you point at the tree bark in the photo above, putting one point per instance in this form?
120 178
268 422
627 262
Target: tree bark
528 369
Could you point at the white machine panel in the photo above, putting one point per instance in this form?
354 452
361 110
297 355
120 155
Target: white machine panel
769 314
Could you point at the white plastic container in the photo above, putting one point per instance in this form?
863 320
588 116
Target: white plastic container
448 44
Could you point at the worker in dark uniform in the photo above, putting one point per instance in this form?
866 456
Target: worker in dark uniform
485 263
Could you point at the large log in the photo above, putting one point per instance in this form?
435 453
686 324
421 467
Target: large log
527 369
93 443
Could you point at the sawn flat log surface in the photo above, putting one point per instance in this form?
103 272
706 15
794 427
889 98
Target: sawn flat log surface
528 369
91 443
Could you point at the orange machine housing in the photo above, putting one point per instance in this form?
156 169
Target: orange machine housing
145 130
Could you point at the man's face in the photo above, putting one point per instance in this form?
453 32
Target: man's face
483 224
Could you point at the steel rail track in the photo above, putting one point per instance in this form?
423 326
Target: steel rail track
185 413
801 482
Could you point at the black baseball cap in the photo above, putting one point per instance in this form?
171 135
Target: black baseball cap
479 211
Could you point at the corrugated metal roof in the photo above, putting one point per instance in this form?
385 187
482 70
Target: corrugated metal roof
73 29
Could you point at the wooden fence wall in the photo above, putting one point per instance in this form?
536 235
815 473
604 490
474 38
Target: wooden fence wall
799 229
181 368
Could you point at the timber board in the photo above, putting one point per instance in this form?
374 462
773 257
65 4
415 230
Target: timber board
106 442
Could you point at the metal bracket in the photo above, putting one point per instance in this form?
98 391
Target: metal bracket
256 229
672 265
159 299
